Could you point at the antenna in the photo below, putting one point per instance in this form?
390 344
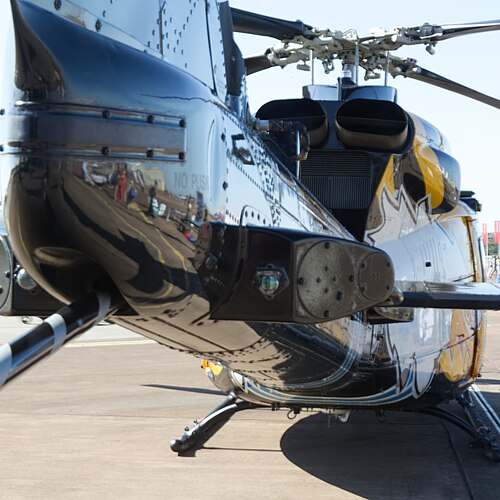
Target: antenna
386 68
311 56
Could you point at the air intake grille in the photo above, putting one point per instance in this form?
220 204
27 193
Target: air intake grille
339 179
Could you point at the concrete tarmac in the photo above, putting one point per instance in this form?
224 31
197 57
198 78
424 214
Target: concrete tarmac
95 420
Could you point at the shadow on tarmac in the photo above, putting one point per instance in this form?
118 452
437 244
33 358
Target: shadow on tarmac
408 456
186 389
493 399
487 381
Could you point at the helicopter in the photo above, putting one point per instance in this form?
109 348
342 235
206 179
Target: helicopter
318 254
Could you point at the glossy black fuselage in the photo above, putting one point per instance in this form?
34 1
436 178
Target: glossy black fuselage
116 157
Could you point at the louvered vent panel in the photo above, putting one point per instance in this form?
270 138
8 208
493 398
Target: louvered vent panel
339 179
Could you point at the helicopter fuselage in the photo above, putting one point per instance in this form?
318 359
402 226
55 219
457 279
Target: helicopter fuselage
116 157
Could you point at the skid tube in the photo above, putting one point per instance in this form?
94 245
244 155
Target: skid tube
199 431
26 350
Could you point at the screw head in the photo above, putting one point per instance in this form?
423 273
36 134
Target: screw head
211 262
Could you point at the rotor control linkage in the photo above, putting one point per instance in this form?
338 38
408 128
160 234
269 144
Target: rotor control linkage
374 52
26 350
220 414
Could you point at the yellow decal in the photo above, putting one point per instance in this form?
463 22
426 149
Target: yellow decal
215 368
433 177
456 360
477 363
387 180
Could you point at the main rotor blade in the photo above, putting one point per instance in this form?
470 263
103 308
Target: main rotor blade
426 76
257 62
433 33
453 30
257 24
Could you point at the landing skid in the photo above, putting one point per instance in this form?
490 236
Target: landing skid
199 432
475 426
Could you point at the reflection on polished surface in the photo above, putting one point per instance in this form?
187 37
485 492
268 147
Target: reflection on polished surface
121 145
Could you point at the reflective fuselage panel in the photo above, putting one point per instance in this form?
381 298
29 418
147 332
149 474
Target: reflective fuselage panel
121 141
118 157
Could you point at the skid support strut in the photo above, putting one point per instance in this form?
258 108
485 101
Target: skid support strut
220 414
475 425
484 438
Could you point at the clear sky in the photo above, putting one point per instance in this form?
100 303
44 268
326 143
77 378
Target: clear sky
472 128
